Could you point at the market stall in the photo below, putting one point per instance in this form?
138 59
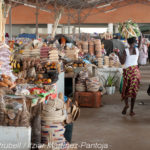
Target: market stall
32 94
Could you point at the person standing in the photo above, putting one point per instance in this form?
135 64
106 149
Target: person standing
149 53
131 75
143 52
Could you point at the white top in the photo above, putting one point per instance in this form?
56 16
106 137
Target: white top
131 60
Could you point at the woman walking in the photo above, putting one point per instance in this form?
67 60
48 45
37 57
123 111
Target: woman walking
131 75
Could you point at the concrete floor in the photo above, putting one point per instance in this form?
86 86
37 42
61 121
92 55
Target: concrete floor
106 125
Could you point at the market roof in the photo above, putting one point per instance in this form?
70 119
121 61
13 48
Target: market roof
76 4
137 12
99 5
106 10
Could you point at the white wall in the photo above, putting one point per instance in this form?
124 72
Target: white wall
19 29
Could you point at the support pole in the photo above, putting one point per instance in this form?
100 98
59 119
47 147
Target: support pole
37 23
63 29
68 23
4 10
1 21
58 17
79 22
10 23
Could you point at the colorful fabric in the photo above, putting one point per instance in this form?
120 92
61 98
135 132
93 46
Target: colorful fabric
131 81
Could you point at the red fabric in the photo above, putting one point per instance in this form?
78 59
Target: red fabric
131 81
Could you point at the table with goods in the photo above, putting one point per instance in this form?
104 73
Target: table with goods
32 103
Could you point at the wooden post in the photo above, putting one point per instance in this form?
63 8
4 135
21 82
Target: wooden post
58 17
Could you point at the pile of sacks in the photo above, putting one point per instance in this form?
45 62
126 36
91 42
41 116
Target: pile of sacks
93 84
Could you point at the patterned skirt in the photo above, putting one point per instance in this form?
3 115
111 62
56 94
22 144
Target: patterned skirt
131 81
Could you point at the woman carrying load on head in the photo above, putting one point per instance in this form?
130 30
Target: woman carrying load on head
131 74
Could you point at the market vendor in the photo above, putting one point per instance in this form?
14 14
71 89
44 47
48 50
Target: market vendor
131 74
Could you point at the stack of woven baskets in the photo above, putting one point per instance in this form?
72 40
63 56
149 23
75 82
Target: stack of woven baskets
52 122
85 46
100 62
98 48
91 47
106 61
81 84
53 54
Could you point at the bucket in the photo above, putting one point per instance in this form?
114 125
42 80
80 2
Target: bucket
113 89
110 90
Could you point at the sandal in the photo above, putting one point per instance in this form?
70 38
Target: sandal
125 110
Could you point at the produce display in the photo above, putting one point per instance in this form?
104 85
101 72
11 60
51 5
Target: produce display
129 29
6 81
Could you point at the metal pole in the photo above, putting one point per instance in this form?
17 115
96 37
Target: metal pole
37 13
68 22
10 23
79 22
